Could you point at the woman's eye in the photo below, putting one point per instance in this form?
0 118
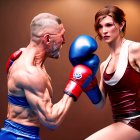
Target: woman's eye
109 25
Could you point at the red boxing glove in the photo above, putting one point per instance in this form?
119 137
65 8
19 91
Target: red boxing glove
80 77
12 58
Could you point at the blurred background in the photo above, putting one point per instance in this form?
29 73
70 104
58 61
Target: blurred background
83 119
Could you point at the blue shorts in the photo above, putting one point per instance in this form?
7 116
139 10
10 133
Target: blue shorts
15 131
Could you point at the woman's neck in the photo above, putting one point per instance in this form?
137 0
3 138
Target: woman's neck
116 45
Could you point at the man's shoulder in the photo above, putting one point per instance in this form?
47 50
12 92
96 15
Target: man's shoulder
25 78
25 73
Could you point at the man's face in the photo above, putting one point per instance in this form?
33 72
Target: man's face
56 42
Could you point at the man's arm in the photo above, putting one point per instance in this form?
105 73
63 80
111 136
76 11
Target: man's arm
38 96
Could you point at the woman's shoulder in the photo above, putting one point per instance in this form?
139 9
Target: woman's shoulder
134 55
133 43
134 46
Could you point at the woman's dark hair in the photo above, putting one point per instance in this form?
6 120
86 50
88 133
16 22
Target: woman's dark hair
110 10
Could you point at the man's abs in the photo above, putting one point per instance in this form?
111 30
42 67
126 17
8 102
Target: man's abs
22 115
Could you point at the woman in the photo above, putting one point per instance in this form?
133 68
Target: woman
120 76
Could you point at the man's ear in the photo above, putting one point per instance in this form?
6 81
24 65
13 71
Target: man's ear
46 38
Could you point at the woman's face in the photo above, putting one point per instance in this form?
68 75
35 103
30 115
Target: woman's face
108 29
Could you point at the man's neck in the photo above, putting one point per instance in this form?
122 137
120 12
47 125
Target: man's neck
38 53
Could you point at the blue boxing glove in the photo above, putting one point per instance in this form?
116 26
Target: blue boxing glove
81 48
92 61
81 52
92 90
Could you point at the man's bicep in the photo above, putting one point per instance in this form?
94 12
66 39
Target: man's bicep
40 105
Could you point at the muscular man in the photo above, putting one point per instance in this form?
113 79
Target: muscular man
29 85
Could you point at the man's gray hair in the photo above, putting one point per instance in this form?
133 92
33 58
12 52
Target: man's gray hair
43 21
